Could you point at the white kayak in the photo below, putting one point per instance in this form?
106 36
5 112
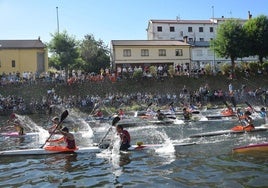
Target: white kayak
90 149
223 132
16 134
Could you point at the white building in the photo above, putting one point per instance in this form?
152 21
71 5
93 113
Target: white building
198 33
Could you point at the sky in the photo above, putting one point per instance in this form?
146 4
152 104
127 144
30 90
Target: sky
110 20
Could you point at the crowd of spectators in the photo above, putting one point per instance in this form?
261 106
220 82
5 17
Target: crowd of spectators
200 96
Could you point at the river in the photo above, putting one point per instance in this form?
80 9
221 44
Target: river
208 163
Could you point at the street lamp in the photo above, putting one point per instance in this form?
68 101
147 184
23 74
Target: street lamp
213 39
58 27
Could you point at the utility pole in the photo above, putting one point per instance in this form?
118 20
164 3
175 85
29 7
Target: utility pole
58 25
214 68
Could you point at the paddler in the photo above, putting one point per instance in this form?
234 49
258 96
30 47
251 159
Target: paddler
19 128
160 116
186 114
55 120
124 137
68 138
13 118
248 121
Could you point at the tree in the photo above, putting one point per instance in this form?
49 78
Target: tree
229 41
256 30
94 54
64 51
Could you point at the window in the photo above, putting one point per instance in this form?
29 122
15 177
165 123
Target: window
181 33
201 29
126 52
191 39
13 63
162 52
199 53
178 52
190 29
211 29
201 39
144 52
171 29
159 29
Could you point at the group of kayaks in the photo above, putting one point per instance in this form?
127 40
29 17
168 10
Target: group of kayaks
95 148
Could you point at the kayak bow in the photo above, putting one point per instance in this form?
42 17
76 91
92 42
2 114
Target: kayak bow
261 147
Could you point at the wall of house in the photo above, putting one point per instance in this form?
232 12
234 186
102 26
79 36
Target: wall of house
25 60
153 57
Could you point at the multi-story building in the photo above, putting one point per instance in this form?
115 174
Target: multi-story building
198 33
23 56
144 53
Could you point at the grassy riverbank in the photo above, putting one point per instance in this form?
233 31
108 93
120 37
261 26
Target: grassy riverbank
167 85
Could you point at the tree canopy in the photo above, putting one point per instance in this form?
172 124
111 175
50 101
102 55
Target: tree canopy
256 30
229 41
87 55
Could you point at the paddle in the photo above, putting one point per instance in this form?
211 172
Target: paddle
115 120
224 102
63 116
250 106
95 105
150 104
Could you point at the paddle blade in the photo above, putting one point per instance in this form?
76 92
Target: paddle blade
249 105
64 115
115 120
224 102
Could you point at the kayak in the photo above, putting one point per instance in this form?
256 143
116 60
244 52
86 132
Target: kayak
16 134
221 116
223 132
252 147
91 149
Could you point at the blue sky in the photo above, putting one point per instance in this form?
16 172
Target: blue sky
110 19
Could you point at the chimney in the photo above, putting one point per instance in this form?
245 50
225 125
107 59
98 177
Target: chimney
249 15
185 39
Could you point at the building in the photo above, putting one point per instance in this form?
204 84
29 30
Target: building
131 53
194 30
23 56
197 33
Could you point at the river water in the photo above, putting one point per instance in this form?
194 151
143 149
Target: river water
209 163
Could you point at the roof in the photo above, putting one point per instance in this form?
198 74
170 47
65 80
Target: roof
178 21
148 43
25 44
200 43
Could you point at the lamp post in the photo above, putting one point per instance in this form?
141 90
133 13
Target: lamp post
213 40
58 27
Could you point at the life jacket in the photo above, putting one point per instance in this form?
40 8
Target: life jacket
70 143
125 137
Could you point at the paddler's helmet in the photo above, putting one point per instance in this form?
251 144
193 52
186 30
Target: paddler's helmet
65 129
248 113
55 119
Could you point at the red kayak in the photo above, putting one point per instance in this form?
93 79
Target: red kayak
261 147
